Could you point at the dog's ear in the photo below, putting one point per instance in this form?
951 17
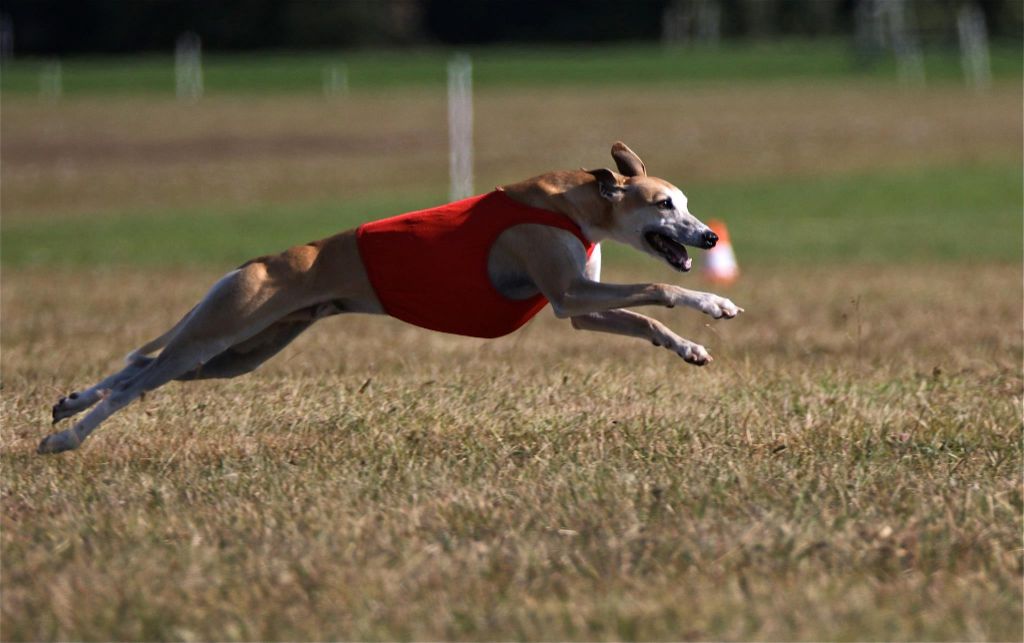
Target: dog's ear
608 184
628 162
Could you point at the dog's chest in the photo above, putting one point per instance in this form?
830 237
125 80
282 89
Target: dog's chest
508 278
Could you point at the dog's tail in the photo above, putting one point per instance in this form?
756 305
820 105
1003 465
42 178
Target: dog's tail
158 343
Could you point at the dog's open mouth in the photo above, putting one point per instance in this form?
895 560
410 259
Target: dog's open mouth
673 251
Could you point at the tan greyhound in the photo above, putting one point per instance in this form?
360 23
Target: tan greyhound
254 311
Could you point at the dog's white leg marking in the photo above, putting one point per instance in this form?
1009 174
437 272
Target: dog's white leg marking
631 324
626 322
239 306
136 360
160 371
73 437
184 353
586 296
80 400
706 302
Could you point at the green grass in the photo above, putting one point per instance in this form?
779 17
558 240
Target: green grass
970 213
622 64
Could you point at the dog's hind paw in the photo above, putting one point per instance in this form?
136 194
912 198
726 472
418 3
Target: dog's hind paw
62 408
58 442
75 403
67 406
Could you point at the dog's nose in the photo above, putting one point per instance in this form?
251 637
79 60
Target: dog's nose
710 239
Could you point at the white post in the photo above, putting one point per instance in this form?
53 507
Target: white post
909 62
335 80
188 67
686 20
460 126
709 22
675 23
51 81
6 37
970 27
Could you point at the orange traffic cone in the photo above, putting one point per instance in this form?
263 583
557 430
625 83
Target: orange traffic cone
720 263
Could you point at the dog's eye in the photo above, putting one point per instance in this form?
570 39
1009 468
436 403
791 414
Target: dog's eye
664 204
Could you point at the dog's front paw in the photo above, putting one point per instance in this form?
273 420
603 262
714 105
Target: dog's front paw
693 353
719 307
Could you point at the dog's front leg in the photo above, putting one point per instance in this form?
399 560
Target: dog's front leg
555 262
706 302
626 322
584 296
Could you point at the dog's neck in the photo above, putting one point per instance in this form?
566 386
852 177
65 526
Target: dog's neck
573 194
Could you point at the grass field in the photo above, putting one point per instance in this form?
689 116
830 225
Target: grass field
849 468
629 65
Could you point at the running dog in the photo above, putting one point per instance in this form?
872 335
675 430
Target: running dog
480 267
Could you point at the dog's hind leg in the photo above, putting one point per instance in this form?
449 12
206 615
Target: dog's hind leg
78 401
196 344
157 372
239 307
135 361
285 292
187 362
159 342
248 355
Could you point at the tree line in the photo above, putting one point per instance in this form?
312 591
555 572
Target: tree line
63 27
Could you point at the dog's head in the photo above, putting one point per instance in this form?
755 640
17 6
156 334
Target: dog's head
648 213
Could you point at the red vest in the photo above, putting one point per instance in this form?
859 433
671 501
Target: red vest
429 268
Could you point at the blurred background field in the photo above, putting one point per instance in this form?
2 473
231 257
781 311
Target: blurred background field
500 66
848 468
763 155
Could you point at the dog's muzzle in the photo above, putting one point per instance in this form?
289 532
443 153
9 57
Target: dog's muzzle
674 252
670 250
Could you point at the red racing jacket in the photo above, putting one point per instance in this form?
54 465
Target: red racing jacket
429 267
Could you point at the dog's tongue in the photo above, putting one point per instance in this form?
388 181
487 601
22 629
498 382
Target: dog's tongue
673 251
681 259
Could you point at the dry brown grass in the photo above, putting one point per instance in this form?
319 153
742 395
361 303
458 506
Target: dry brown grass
848 468
91 155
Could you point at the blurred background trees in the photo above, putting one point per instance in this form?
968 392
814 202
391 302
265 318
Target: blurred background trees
60 27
